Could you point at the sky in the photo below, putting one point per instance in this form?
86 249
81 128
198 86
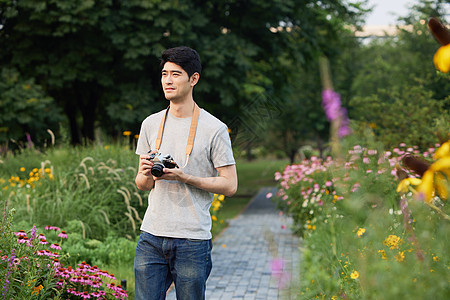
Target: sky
384 10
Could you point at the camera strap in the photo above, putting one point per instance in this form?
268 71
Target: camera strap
193 129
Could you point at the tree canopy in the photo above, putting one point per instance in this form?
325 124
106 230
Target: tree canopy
99 60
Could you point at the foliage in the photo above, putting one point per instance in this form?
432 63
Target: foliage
32 267
99 59
398 86
30 111
404 115
372 236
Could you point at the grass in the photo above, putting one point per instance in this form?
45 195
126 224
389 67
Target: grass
254 175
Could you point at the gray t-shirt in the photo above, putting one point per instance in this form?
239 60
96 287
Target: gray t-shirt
176 209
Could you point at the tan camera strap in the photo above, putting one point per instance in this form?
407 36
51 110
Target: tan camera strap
190 143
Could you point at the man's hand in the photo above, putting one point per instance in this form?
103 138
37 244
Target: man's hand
173 174
226 183
144 178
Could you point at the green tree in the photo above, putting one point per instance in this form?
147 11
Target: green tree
99 59
27 111
397 88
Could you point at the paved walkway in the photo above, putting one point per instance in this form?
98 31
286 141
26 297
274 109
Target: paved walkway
256 257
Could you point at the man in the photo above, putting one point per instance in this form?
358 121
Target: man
175 242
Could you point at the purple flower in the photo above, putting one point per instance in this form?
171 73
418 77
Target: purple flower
33 233
344 128
10 266
331 102
29 141
283 277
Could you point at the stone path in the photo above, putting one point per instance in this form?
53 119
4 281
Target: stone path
256 257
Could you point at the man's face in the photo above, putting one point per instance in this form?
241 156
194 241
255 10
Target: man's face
176 83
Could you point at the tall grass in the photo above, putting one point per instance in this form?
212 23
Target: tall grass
92 185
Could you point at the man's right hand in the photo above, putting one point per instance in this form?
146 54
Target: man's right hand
144 179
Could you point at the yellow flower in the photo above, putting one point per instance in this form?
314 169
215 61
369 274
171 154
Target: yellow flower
433 181
354 275
441 59
37 289
393 241
214 218
126 133
22 169
360 232
221 197
216 205
436 258
136 136
443 151
400 256
383 254
405 183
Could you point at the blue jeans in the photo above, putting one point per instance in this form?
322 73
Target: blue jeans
159 261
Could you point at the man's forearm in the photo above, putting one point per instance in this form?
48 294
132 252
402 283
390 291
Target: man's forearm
217 185
143 182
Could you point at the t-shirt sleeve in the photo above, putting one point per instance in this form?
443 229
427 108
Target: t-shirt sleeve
143 143
221 150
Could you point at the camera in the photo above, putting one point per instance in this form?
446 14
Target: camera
160 162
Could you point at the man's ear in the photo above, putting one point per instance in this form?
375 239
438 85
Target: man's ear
194 78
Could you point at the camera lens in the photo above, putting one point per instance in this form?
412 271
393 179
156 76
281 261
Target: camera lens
157 170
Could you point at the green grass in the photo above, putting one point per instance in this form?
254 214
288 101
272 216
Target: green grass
254 175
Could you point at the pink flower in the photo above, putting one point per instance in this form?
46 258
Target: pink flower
269 195
60 283
43 242
22 239
41 236
52 228
20 233
63 235
55 246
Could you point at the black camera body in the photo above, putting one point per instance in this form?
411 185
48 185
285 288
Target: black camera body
161 161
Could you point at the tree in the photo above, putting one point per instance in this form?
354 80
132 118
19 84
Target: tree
99 59
397 89
26 111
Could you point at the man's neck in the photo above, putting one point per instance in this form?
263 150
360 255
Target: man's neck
182 109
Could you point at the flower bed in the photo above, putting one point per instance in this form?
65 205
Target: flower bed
365 236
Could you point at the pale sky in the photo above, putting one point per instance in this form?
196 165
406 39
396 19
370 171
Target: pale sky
386 12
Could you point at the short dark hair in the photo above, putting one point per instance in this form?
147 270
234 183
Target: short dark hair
185 57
